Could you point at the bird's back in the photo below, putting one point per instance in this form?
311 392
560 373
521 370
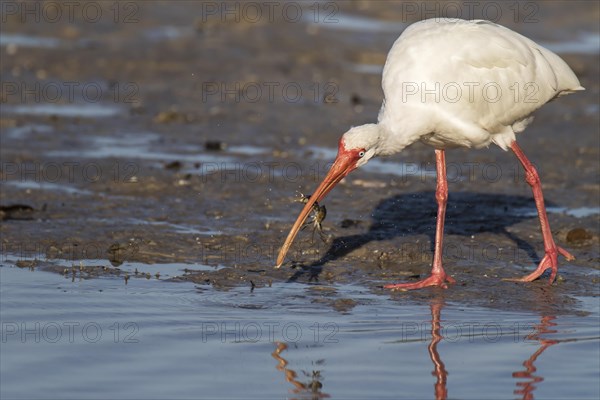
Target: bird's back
468 83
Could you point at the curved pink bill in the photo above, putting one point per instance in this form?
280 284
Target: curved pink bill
344 163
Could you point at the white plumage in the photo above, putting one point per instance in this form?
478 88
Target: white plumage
476 82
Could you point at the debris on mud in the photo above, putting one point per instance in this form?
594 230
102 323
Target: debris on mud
16 211
215 145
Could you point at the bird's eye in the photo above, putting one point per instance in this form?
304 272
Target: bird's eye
361 154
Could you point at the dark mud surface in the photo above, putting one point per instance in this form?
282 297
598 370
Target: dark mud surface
163 169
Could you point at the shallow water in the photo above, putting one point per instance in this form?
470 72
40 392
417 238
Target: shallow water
347 22
29 185
16 39
154 339
138 145
64 110
580 212
585 43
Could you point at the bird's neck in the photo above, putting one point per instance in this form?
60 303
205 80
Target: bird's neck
399 131
392 139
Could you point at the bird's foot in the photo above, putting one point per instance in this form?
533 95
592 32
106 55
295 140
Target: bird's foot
550 261
433 280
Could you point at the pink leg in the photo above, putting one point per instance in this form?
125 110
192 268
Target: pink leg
551 249
438 276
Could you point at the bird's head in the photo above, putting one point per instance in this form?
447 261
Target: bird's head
360 142
355 148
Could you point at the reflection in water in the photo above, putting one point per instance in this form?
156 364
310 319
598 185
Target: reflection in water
441 392
310 390
308 384
526 388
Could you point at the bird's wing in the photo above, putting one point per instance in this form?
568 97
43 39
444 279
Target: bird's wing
475 72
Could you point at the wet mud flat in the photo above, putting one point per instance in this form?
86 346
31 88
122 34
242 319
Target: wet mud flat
171 166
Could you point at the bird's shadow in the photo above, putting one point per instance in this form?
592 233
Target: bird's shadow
468 213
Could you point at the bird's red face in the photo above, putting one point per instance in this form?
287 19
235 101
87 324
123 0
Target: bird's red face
345 162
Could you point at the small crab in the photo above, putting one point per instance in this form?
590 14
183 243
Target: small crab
317 217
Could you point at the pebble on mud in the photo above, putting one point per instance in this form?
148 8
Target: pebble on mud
215 145
166 117
26 263
344 305
174 165
578 236
116 254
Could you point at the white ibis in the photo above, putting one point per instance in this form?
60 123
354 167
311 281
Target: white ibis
449 83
